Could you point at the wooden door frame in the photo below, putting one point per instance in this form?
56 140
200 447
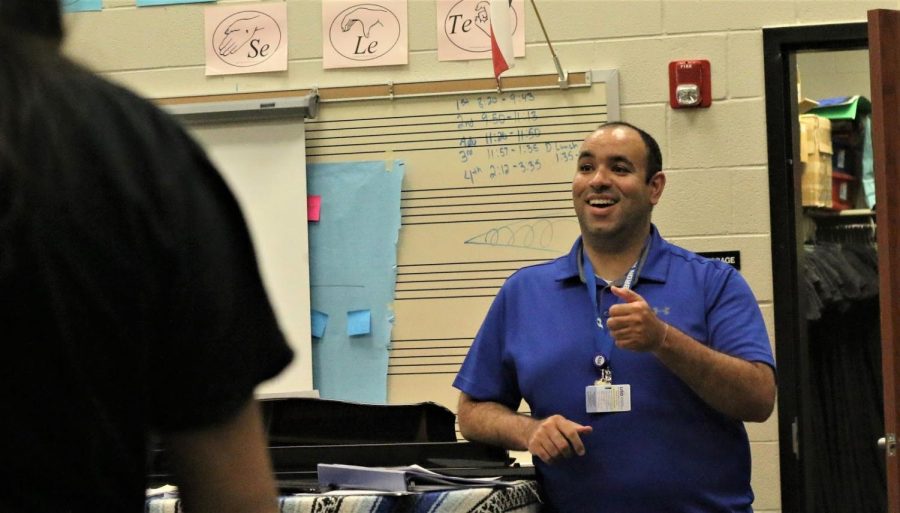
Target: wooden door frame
883 26
779 48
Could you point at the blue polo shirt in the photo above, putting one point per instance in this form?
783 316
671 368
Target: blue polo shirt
671 452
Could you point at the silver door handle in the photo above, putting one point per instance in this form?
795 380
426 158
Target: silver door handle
888 443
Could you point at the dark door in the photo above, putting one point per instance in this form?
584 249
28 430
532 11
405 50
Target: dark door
884 61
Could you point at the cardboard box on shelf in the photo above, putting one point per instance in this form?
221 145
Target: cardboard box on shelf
846 114
815 161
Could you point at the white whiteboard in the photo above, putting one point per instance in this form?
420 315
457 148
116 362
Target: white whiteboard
486 190
264 164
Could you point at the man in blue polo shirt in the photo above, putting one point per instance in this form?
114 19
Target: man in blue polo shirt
639 360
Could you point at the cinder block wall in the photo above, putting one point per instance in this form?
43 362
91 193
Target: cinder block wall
717 193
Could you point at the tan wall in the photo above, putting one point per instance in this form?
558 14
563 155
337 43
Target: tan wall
830 74
717 194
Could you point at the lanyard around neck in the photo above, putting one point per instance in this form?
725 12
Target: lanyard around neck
603 343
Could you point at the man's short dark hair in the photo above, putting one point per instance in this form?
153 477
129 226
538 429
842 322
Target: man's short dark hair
39 18
654 155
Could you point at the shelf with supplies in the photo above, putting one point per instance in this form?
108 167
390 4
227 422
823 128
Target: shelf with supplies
828 213
828 225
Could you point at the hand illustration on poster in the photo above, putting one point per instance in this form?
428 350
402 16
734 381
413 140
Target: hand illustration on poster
364 34
239 31
464 29
244 40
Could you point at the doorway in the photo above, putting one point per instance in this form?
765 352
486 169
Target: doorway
811 468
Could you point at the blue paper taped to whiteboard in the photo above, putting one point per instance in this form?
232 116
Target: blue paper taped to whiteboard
319 322
147 3
341 280
359 322
82 5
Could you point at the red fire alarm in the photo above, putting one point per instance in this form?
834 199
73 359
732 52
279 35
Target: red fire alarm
689 84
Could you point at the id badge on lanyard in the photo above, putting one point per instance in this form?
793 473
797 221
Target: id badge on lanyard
604 396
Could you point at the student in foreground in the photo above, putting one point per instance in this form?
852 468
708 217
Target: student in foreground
130 299
640 360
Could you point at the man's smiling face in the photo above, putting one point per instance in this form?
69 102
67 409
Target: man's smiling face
612 197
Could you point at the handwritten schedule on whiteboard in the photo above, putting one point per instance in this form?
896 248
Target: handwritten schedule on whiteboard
487 190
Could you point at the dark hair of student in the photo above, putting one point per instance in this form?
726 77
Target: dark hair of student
30 35
37 17
654 155
29 127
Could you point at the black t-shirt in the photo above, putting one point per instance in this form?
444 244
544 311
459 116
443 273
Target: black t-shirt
130 297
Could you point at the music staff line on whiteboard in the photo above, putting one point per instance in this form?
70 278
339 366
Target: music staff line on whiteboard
470 206
490 117
567 122
469 189
471 279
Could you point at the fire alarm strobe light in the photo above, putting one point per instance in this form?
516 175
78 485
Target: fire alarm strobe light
689 84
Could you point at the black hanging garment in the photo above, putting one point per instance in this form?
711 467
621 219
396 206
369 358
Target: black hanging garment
846 407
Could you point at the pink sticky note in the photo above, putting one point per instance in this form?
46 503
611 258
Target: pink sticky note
313 207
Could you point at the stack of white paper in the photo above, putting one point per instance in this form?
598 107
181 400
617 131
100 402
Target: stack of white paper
396 479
